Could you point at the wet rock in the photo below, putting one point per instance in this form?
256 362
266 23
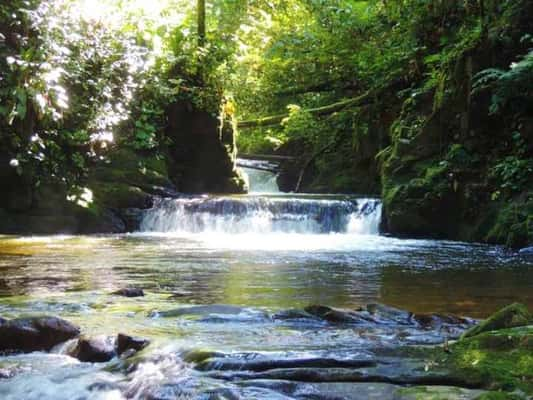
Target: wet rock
125 342
400 374
34 334
220 309
199 356
390 313
269 364
292 314
512 316
451 325
363 391
129 292
436 392
333 315
98 349
526 251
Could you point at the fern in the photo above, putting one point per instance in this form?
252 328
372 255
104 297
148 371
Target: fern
513 84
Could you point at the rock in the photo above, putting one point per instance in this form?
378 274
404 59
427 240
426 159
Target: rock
129 292
202 153
34 334
221 309
436 392
125 342
334 315
435 321
265 364
390 313
512 316
98 349
292 314
526 252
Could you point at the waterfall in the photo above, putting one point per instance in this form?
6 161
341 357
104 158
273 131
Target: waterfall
264 214
259 175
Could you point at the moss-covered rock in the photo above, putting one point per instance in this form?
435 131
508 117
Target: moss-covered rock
511 316
496 360
201 153
120 195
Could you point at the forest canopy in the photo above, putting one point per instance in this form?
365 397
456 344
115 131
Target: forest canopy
78 76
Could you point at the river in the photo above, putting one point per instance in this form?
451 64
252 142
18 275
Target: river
263 254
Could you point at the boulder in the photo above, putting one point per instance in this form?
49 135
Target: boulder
129 292
34 334
512 316
97 349
125 343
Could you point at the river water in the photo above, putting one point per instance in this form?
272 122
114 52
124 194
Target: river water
262 253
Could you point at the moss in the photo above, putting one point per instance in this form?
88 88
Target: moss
501 360
508 317
119 195
513 224
499 396
433 393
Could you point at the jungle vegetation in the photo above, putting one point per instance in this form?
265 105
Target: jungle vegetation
346 85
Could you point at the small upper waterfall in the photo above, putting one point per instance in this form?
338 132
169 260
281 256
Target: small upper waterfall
259 176
264 214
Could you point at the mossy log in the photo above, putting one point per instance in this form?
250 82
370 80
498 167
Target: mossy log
366 98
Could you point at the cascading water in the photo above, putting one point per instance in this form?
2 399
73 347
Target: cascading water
264 211
269 212
259 175
263 214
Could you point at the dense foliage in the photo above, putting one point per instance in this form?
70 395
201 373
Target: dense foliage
369 95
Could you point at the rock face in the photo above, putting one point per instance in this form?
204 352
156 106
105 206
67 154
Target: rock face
511 316
202 154
33 334
200 159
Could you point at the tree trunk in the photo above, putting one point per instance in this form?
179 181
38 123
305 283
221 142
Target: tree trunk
200 9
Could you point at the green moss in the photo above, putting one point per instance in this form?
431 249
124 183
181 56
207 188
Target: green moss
499 396
431 393
514 224
511 316
501 360
119 195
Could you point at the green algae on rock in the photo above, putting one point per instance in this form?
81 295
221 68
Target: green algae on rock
512 316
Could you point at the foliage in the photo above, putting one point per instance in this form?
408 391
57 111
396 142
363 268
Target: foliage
510 87
78 77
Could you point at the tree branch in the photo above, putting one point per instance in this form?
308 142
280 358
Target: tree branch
365 98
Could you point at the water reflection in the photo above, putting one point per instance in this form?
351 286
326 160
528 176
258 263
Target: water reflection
418 275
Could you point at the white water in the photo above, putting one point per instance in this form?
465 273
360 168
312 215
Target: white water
259 180
263 215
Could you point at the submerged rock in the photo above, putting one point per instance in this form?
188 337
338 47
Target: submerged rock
98 349
220 309
125 343
386 312
512 316
129 292
333 314
34 334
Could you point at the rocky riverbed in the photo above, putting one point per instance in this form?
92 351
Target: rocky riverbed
374 352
